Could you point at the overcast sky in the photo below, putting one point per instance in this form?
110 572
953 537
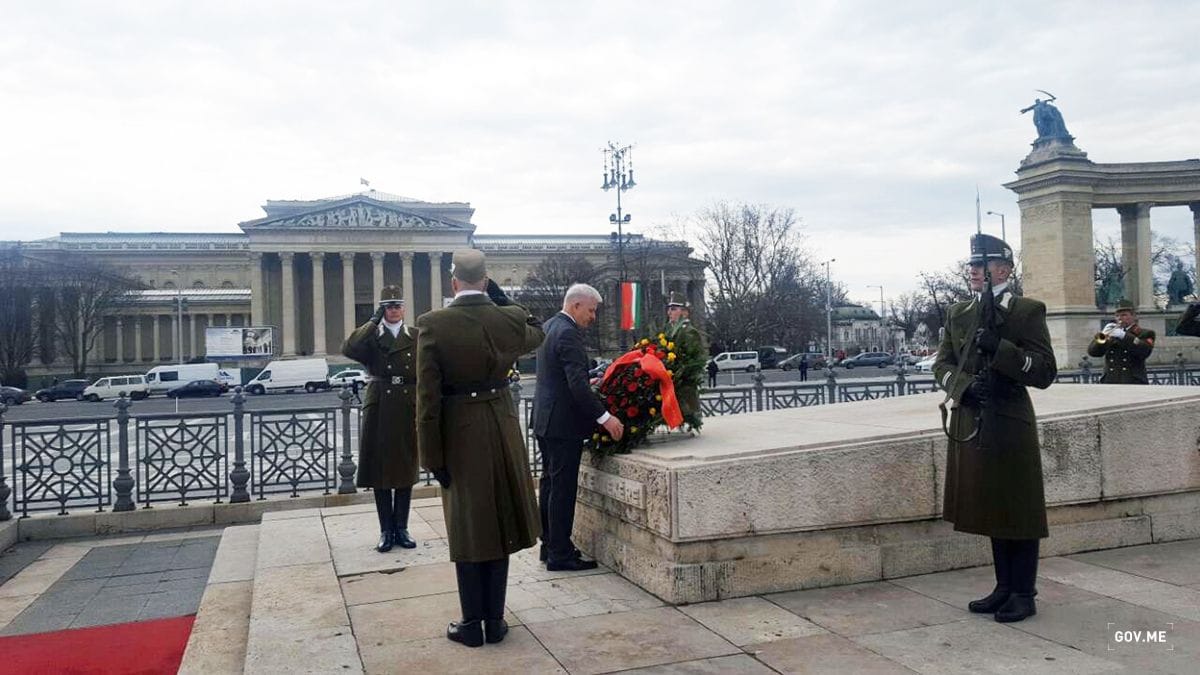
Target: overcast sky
875 121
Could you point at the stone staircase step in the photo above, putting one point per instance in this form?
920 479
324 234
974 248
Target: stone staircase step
298 621
217 644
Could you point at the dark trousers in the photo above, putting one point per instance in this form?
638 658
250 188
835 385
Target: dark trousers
804 374
392 508
481 589
1016 562
712 379
556 494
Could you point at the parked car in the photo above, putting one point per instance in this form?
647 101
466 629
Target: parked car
347 377
13 395
195 389
769 357
747 361
925 365
909 359
162 378
877 359
816 360
133 386
65 389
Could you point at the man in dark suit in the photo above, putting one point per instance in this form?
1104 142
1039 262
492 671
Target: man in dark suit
565 413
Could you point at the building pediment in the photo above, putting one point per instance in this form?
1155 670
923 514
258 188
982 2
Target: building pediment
357 213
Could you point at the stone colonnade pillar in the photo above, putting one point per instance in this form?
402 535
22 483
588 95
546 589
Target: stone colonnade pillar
137 338
1195 207
347 293
435 280
409 307
376 276
318 265
120 341
156 335
1135 255
257 292
288 293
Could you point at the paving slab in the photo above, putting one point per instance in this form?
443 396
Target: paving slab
292 541
611 642
217 643
572 597
860 609
1091 627
746 621
405 582
356 554
519 653
733 665
525 568
972 646
296 597
20 556
385 626
305 650
431 513
958 587
1178 600
824 654
236 555
1174 563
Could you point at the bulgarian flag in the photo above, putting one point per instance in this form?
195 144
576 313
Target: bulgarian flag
631 305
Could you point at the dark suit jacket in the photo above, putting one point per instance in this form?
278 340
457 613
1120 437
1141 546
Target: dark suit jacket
564 405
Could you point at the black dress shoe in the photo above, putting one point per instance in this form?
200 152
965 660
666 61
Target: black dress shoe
991 603
495 629
572 565
385 542
544 555
469 633
403 539
1020 606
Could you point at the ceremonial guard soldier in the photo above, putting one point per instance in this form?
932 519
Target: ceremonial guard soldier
994 347
470 439
688 340
1125 347
387 451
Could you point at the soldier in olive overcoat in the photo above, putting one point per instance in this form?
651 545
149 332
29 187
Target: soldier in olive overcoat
387 451
994 478
1125 347
470 439
682 331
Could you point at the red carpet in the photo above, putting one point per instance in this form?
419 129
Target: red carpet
144 647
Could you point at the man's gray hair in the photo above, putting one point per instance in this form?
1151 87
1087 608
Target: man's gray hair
581 293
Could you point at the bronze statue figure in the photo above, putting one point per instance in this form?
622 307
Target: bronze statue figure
1047 118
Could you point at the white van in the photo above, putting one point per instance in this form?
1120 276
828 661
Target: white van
162 378
747 361
311 374
229 378
133 386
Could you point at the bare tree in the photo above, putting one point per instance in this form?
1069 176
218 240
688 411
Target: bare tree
543 290
19 311
86 292
943 289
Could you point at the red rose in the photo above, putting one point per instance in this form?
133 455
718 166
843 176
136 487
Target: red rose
631 411
632 386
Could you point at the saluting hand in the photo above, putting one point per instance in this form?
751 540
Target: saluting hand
377 316
614 427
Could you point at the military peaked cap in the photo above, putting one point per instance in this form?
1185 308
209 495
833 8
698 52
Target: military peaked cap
1125 303
676 299
389 295
467 265
993 247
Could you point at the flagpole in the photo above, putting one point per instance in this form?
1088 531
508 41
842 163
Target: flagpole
978 215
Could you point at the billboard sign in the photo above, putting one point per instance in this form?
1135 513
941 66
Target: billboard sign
239 342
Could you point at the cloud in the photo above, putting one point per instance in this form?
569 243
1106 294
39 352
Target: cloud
875 122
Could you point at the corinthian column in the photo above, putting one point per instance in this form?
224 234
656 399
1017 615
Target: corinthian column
137 338
435 280
376 276
347 293
318 265
257 291
288 291
120 341
410 309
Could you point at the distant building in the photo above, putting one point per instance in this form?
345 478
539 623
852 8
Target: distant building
314 269
858 329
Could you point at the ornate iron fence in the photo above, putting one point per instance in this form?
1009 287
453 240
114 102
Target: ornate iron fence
67 464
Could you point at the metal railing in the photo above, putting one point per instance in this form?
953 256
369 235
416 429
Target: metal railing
68 464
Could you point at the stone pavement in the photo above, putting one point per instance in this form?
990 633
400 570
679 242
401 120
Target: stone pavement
304 592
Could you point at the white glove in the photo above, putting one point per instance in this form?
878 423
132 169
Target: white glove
1107 330
1117 333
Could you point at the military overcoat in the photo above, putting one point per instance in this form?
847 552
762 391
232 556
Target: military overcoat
468 348
682 333
997 491
387 449
1125 357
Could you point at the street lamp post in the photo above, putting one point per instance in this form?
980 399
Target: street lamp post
180 305
828 312
883 338
1003 234
618 174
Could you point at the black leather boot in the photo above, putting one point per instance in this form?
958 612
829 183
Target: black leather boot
999 595
495 584
400 518
468 631
383 509
1023 559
